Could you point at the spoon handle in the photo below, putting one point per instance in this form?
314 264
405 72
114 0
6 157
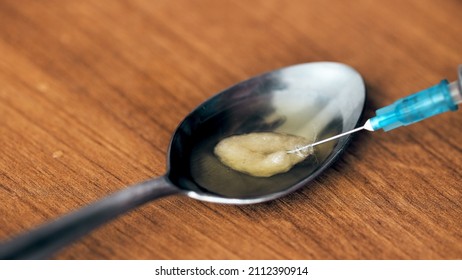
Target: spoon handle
43 241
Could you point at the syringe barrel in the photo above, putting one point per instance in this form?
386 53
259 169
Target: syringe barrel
414 108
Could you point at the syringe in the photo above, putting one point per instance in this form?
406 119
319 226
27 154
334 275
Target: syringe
429 102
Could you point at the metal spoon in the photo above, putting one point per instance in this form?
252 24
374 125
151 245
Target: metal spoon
321 99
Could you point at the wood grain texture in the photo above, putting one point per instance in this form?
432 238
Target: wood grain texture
91 91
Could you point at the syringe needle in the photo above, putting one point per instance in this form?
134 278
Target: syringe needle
366 126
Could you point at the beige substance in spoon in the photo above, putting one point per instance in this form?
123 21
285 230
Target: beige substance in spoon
262 154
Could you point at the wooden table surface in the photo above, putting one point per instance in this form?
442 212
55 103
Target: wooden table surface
91 91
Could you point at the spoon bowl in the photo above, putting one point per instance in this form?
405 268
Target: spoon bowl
312 100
